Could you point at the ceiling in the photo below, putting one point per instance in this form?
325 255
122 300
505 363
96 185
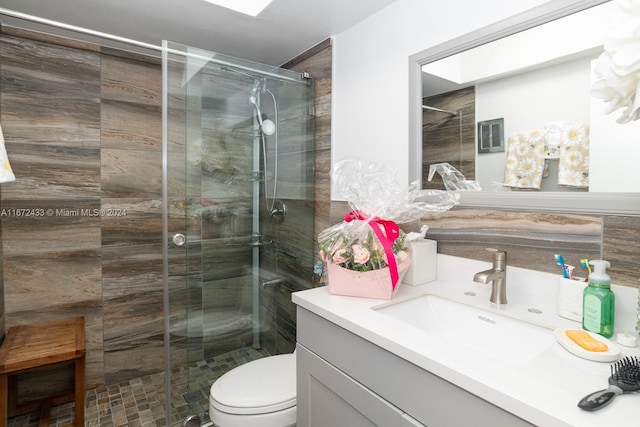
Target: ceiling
283 30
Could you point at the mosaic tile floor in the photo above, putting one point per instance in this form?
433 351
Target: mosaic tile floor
141 401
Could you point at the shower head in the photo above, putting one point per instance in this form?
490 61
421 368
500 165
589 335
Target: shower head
268 127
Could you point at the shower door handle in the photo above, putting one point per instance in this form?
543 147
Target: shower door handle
178 239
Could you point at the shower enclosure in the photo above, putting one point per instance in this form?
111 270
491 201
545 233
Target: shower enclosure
238 215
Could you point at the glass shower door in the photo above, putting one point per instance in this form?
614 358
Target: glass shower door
238 145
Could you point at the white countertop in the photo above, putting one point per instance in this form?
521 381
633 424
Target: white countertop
544 391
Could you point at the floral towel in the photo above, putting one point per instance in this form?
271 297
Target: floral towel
525 160
6 174
573 169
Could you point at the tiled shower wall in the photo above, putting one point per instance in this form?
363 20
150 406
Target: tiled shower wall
319 63
83 132
297 248
82 230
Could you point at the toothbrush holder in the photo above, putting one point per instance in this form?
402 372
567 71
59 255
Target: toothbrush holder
569 303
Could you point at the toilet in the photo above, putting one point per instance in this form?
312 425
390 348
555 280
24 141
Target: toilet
260 393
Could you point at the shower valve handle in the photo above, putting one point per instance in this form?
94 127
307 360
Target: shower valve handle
178 239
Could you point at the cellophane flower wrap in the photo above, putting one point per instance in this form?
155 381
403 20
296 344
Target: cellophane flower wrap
367 253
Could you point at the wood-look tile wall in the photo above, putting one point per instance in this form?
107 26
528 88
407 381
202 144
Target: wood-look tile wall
449 138
318 62
531 239
296 237
82 130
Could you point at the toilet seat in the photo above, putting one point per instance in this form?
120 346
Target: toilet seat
257 387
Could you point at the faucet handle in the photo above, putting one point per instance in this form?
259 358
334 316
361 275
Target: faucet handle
499 258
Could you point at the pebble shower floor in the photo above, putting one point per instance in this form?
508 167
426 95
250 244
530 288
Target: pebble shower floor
140 402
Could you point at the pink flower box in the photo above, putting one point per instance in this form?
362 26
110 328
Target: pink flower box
366 284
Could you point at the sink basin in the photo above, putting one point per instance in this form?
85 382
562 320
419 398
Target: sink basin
502 338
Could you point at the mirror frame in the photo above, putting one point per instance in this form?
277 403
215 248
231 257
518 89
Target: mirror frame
570 202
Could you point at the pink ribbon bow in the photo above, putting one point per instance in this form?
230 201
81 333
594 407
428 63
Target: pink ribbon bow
391 233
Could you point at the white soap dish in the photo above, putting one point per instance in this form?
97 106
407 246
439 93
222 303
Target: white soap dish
612 354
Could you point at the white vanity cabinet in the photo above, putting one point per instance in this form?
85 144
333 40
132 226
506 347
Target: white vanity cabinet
347 381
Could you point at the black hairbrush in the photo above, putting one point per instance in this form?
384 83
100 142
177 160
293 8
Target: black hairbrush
625 378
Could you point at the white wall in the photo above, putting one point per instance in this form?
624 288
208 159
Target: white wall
370 118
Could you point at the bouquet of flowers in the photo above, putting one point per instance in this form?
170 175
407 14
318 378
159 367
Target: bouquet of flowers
363 253
367 253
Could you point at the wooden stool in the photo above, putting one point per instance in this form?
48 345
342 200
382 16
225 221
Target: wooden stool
28 347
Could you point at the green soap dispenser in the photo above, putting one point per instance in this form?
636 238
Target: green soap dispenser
598 302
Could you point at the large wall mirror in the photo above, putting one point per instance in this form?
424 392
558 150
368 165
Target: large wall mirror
512 107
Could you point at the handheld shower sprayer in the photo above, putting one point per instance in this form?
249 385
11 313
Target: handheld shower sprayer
275 208
267 126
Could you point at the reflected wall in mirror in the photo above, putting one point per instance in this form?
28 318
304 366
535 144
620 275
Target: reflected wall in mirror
557 138
448 122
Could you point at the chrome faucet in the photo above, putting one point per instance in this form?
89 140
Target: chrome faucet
497 276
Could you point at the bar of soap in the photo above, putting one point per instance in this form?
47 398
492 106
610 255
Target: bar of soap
586 341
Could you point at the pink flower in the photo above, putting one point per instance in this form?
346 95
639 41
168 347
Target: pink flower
360 255
323 256
339 257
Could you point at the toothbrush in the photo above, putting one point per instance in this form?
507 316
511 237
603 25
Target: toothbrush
560 261
585 264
